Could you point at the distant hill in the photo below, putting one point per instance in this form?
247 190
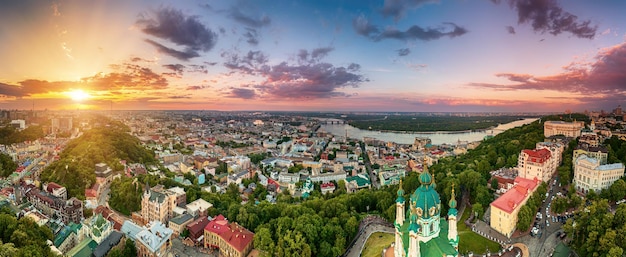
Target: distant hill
109 143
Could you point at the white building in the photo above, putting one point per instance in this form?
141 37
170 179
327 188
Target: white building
198 207
18 124
589 174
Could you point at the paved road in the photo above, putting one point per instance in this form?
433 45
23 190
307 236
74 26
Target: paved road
355 250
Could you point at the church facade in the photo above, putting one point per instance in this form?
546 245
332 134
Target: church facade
423 232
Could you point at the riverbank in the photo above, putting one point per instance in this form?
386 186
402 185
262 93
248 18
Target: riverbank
437 137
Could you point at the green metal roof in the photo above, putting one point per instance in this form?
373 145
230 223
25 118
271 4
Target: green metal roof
436 247
83 249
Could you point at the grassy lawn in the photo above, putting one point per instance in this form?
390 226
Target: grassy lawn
472 242
376 243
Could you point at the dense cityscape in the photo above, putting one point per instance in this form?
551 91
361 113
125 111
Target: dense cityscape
391 128
191 183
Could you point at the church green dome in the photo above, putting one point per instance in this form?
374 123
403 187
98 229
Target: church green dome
452 203
414 226
400 198
426 199
426 178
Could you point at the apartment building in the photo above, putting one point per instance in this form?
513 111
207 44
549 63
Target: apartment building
536 164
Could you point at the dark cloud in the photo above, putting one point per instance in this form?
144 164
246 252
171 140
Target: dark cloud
180 55
397 8
403 51
309 79
304 56
319 53
124 76
418 33
516 77
312 81
12 90
249 63
243 93
249 21
603 76
196 87
510 29
198 68
252 36
179 68
548 16
172 25
363 27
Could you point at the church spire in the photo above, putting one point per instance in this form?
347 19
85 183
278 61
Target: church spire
453 236
452 202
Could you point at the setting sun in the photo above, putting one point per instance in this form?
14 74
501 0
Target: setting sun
78 95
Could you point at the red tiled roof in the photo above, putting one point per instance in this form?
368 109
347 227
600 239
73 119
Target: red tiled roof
538 156
327 185
510 200
235 235
90 193
197 225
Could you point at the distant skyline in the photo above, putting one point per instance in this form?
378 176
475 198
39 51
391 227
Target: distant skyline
323 55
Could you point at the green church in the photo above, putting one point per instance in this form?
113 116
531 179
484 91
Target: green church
422 233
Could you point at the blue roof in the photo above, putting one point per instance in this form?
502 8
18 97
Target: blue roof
130 229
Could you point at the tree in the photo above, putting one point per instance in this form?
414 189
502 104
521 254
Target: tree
559 205
478 209
129 248
617 191
7 165
524 217
126 198
494 184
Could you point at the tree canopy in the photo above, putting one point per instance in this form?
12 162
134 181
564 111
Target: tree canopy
23 237
7 165
10 135
108 143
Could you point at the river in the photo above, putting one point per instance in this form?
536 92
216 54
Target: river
437 138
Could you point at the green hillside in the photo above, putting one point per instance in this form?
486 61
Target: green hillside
107 142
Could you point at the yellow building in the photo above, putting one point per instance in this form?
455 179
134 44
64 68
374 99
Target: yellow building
504 210
568 129
157 205
230 238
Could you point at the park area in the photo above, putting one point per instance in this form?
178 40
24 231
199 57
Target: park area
376 243
472 242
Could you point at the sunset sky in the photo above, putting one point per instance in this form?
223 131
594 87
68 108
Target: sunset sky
317 55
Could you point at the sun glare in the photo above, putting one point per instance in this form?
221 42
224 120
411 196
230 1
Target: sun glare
78 95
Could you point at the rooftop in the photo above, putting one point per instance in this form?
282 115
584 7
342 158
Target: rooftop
232 233
154 236
539 156
514 197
